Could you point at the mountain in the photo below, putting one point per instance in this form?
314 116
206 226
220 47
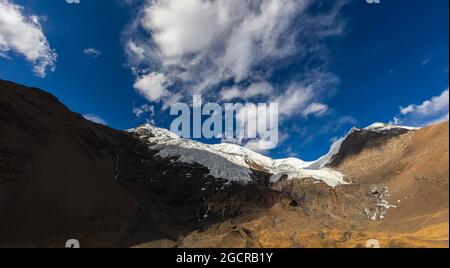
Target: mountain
231 162
63 177
57 174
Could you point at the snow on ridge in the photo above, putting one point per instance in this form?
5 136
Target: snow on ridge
229 161
220 165
381 127
336 146
234 163
156 134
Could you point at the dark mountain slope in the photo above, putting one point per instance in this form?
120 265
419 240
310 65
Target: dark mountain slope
56 174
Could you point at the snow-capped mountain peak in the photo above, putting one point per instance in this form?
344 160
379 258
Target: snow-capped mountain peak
236 163
381 128
230 161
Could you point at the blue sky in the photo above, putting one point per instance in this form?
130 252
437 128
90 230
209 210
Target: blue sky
355 63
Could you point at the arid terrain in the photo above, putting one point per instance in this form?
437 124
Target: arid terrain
413 166
63 177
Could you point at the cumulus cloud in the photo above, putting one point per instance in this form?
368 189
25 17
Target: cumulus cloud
95 118
23 35
428 112
153 86
231 50
200 44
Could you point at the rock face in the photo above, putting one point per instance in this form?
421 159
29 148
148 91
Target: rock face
415 168
56 175
364 139
62 177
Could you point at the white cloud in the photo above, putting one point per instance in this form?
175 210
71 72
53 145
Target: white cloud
152 86
200 44
231 49
183 27
294 100
95 118
255 89
228 94
297 99
144 109
258 89
92 52
23 35
430 111
135 50
315 109
407 109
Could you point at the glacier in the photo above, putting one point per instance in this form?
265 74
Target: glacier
235 163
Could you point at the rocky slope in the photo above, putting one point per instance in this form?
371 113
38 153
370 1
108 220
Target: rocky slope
415 168
57 174
63 177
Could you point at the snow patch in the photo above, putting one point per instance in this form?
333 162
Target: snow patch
380 211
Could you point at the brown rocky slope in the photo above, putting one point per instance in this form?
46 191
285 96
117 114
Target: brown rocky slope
408 171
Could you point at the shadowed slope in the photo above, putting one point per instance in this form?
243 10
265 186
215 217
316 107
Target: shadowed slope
56 175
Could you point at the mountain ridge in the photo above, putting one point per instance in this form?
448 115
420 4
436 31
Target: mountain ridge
168 144
63 177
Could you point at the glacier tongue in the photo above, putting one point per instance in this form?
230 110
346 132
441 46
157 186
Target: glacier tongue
220 165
